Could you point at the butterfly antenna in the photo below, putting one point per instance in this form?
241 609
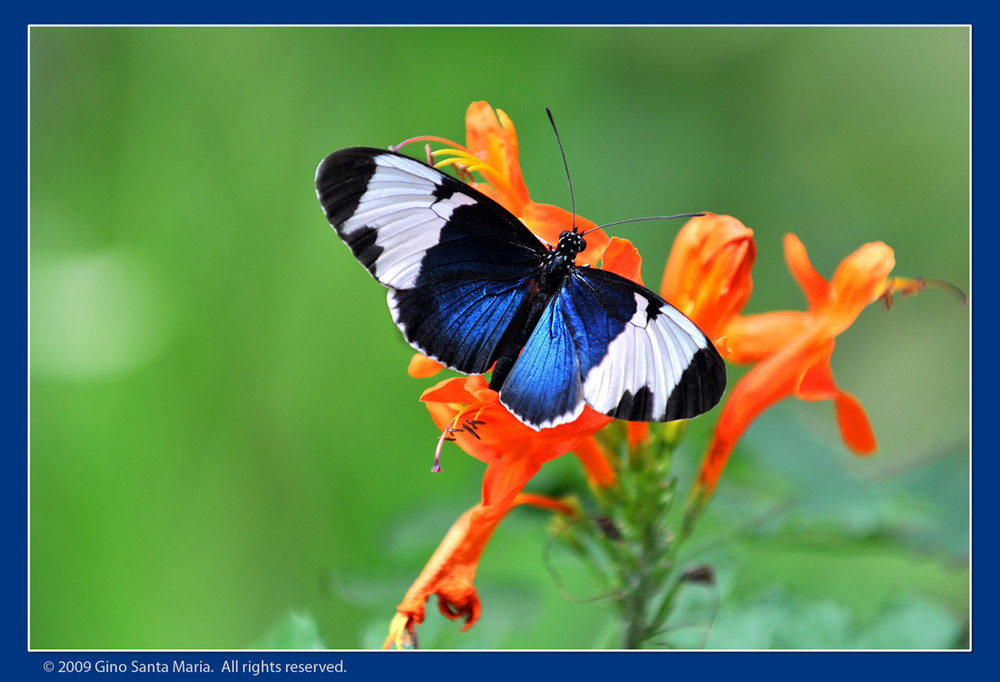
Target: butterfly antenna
572 201
652 217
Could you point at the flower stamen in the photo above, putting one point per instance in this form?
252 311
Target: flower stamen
471 425
447 434
423 138
463 160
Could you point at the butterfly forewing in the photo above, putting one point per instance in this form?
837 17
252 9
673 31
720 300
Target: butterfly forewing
411 225
458 265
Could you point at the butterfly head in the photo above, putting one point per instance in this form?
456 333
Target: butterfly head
571 243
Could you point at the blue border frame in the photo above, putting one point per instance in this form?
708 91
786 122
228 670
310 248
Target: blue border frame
19 663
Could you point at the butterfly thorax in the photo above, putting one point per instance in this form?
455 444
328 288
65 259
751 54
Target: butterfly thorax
558 261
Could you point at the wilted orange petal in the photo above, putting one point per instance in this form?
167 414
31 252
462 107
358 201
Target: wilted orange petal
401 632
452 569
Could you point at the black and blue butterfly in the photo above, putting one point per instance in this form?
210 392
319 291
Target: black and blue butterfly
471 287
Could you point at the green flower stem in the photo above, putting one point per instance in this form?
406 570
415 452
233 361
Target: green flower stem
642 556
632 535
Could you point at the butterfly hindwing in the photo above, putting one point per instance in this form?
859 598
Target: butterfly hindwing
544 387
459 267
640 358
618 347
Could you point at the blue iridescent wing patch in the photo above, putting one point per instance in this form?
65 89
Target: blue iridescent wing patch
471 287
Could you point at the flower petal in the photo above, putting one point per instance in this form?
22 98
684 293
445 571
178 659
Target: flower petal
506 477
813 284
773 379
547 222
818 384
859 280
855 427
708 273
453 390
622 258
817 381
452 569
421 366
754 337
595 463
492 138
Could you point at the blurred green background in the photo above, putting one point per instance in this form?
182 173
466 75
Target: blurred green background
225 448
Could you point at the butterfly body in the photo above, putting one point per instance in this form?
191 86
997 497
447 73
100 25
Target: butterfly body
552 272
472 287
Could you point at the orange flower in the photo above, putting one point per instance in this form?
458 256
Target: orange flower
467 409
708 273
491 150
792 350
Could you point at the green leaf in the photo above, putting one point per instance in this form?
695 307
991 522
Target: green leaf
914 624
779 620
297 630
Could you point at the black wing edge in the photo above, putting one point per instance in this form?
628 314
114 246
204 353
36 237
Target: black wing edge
342 179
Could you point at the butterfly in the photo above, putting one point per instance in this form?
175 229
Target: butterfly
471 287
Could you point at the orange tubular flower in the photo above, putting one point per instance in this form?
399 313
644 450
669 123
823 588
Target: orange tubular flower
708 274
467 409
470 413
792 350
